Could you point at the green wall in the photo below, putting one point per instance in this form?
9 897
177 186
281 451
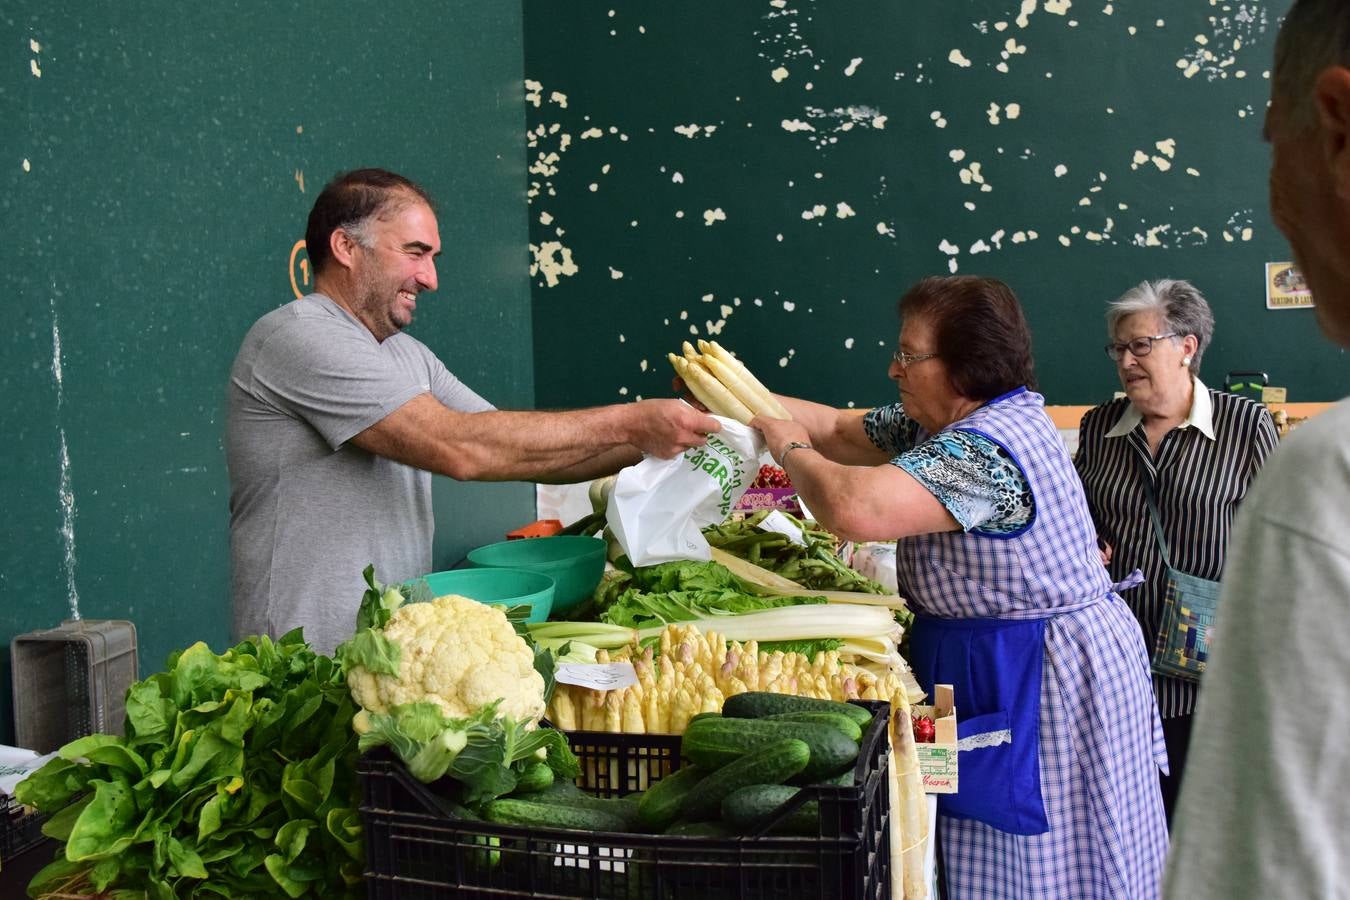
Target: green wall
160 160
652 118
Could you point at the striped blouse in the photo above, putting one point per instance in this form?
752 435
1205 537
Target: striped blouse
1202 471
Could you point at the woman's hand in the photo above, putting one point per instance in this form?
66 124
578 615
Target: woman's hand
778 433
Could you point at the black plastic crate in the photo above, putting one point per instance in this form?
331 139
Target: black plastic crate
20 828
416 848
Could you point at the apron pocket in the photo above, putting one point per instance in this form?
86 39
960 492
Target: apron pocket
998 785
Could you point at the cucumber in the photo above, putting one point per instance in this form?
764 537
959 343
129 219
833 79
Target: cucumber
514 811
699 829
758 704
661 804
558 791
843 779
847 727
490 857
745 807
772 763
568 795
713 743
534 777
624 808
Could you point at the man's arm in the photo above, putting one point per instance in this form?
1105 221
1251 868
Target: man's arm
598 466
533 446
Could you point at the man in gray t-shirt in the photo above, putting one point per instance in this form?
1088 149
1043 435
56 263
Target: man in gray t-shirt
336 420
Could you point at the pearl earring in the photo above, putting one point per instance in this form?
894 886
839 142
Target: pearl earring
1185 360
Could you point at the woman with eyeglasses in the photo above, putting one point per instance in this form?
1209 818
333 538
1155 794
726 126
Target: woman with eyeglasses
997 556
1196 449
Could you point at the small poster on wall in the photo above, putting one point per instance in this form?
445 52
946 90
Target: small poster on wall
1286 287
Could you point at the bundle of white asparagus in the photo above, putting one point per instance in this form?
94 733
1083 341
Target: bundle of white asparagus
723 384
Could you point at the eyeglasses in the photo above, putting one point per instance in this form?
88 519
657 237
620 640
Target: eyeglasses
1140 346
905 360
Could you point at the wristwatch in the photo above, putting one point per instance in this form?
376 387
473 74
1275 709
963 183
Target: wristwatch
792 445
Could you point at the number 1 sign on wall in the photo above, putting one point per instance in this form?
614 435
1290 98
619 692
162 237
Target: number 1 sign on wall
300 274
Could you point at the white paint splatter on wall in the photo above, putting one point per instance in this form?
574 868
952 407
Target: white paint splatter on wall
1061 200
692 131
553 261
65 491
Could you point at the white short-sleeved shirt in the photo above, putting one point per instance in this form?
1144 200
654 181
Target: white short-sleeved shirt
308 510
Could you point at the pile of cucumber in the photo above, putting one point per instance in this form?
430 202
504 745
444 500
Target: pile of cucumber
745 764
741 767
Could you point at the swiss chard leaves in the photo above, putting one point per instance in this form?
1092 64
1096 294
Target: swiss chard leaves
229 766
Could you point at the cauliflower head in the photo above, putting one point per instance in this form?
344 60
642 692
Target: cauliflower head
459 654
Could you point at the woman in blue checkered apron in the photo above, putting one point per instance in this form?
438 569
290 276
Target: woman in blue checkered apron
1058 728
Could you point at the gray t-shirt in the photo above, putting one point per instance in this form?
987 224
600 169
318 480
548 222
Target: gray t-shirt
309 511
1262 811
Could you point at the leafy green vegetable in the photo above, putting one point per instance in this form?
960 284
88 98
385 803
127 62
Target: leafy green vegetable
809 649
638 610
235 778
484 753
684 575
686 590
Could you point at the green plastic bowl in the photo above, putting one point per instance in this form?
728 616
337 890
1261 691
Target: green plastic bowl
498 587
575 562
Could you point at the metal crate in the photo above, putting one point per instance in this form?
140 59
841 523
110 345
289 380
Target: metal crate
71 681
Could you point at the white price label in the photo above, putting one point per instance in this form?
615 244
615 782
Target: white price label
781 524
604 677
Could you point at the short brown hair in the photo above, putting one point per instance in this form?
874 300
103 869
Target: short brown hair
979 330
349 201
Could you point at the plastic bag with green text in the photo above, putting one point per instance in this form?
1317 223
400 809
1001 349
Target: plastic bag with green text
659 507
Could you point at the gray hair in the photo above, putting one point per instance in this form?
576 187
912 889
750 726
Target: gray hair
359 229
1177 303
1315 34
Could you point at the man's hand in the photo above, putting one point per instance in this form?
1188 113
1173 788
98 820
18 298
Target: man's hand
667 428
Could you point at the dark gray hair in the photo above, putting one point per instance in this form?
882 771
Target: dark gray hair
1177 303
352 201
1315 34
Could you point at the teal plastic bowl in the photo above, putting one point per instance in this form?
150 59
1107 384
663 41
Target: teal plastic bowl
575 562
498 587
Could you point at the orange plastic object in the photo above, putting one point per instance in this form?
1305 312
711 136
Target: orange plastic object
537 528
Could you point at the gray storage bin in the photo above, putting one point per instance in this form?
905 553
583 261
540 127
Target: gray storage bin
71 681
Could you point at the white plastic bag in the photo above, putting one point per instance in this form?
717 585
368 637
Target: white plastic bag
659 507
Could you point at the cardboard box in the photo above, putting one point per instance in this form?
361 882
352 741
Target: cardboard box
937 761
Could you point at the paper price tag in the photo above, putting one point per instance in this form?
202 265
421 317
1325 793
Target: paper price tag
781 524
603 677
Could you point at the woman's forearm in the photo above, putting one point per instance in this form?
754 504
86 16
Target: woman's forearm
837 433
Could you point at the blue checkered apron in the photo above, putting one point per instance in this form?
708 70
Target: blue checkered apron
1100 739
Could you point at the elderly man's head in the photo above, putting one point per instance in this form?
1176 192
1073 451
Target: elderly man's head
1308 126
